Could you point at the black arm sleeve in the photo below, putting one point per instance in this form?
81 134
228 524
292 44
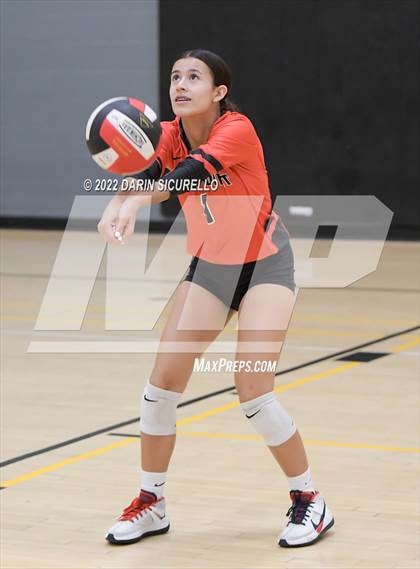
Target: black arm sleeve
188 169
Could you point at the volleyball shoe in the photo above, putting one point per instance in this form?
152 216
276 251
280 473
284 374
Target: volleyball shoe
309 520
144 517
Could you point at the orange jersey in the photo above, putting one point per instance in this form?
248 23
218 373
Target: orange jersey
226 223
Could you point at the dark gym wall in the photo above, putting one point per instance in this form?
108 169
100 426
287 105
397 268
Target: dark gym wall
332 87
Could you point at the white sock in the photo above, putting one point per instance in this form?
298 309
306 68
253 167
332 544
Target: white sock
153 482
302 482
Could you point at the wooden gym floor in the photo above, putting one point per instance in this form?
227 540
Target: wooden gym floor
69 432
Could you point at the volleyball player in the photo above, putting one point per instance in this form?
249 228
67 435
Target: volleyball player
241 261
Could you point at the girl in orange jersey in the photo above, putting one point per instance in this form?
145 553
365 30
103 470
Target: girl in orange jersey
211 157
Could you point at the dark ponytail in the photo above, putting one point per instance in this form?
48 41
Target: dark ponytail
222 74
226 104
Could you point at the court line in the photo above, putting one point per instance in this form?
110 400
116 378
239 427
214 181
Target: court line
179 423
101 431
198 417
65 462
407 346
309 442
206 396
354 348
279 389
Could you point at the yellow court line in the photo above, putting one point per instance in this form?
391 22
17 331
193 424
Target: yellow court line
65 462
280 389
407 346
308 442
180 422
316 377
367 446
187 420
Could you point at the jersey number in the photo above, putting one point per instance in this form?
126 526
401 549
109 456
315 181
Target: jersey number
209 216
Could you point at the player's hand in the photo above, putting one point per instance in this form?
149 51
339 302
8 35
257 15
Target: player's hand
107 224
124 225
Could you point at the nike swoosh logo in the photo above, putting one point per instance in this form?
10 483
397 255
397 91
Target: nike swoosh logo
160 517
160 484
253 414
318 527
151 400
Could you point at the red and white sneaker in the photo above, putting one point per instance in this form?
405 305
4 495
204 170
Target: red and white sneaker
309 519
145 516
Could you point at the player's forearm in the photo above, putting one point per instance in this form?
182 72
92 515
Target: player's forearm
145 196
144 192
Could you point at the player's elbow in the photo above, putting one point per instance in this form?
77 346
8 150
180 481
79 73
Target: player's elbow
160 196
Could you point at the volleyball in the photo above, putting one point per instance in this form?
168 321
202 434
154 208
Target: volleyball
122 135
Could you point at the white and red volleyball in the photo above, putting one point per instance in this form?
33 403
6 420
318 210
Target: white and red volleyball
122 135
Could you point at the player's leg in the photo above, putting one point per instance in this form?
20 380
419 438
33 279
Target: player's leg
195 320
264 316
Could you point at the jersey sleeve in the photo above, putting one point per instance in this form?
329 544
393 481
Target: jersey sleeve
233 142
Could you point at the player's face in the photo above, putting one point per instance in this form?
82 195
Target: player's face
192 91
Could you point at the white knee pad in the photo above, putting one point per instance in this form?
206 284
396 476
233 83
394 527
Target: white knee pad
158 410
269 418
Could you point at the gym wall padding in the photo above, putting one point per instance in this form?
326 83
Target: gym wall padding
332 87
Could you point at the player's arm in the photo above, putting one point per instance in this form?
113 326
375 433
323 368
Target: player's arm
143 186
135 191
119 217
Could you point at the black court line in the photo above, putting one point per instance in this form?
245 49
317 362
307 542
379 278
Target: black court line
347 350
364 357
201 398
124 435
67 442
100 431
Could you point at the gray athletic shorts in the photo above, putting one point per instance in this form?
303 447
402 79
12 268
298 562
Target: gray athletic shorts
229 283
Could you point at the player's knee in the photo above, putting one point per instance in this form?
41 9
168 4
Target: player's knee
165 378
248 390
269 419
158 410
250 386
